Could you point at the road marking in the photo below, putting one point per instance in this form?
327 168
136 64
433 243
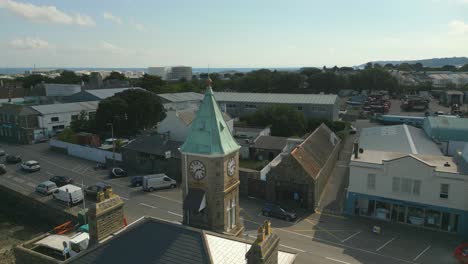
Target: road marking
297 221
174 213
420 254
386 243
169 199
337 260
147 205
19 180
50 173
293 248
323 230
31 184
355 234
124 198
332 215
318 227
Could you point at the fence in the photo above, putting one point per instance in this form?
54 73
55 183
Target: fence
88 153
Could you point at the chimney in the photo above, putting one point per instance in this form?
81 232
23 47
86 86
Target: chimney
265 248
106 216
356 150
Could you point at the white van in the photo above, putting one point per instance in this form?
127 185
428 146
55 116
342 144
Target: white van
69 194
157 181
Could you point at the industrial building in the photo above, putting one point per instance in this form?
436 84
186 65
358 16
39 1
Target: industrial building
323 106
450 133
380 186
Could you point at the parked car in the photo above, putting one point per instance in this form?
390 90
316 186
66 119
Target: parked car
157 181
2 152
69 194
92 190
61 180
276 211
46 187
136 181
30 166
2 169
461 253
13 159
117 172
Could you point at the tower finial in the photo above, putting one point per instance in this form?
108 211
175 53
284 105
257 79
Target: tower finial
208 79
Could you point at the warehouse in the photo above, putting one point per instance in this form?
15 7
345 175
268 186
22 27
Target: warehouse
311 105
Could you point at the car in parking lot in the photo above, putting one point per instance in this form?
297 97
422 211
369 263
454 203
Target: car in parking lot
92 190
30 166
2 169
13 159
274 210
46 187
117 172
461 253
2 152
136 181
61 180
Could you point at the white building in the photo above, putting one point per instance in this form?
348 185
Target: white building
159 71
177 123
55 117
397 174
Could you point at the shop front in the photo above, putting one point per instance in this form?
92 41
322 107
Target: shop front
421 215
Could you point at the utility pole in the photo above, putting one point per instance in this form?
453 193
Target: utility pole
113 143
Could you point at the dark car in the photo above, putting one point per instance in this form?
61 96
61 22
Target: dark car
117 172
136 181
91 191
61 180
13 159
2 152
276 211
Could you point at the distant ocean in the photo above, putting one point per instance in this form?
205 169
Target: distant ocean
195 70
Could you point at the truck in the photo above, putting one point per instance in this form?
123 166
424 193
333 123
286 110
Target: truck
157 181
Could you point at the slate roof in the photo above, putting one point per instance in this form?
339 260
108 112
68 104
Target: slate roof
65 108
105 93
319 99
313 153
181 97
209 133
270 142
150 241
20 110
154 144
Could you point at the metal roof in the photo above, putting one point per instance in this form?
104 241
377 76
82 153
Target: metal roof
399 138
446 128
182 97
105 93
66 108
320 99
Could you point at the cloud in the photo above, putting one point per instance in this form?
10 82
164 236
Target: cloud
458 27
111 17
109 47
139 27
45 14
29 44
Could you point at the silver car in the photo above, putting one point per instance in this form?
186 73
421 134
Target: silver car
46 187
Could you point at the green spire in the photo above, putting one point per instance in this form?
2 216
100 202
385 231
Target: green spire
209 133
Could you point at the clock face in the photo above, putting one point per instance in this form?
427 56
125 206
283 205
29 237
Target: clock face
197 169
231 166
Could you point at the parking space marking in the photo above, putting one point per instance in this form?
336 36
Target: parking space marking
169 199
50 173
337 260
420 254
18 180
355 234
297 221
386 243
124 198
30 184
147 205
175 213
315 225
293 248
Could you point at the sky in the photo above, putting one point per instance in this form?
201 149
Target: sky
228 33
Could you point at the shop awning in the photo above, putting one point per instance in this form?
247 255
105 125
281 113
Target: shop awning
195 200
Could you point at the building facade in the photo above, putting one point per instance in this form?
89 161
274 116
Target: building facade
159 71
313 106
210 175
180 72
19 124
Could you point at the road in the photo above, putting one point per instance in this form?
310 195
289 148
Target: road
317 238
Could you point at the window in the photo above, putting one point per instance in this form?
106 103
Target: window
58 127
231 213
54 119
251 106
231 106
416 187
371 181
444 191
299 108
396 184
74 117
405 185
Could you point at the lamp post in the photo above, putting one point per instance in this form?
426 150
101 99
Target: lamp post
113 143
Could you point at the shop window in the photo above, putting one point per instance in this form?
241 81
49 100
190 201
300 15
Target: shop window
432 219
396 184
371 181
382 210
415 216
444 191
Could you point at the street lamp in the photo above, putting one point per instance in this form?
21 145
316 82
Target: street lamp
113 143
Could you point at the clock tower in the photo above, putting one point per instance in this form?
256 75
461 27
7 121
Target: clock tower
210 172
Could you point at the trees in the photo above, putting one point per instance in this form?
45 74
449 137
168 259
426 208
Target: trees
464 68
81 124
67 77
116 76
150 82
129 111
285 121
